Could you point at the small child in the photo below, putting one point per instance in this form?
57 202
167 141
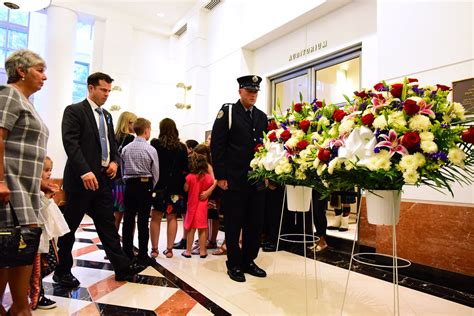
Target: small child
197 181
213 196
53 225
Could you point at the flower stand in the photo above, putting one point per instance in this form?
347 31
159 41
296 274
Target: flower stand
299 199
384 209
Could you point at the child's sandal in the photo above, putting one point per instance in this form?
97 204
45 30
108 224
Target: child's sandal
168 252
154 252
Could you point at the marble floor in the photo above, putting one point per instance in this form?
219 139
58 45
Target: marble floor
195 286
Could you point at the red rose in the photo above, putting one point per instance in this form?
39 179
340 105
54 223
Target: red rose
319 104
367 119
285 135
411 107
272 136
304 125
257 148
338 115
302 144
298 107
410 80
396 90
410 140
324 154
443 87
468 135
379 86
361 94
272 125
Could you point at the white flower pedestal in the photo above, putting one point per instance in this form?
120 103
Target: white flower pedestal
383 208
299 199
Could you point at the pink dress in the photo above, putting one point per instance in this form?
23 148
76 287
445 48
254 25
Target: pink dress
196 214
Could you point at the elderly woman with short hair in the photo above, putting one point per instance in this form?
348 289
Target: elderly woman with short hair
23 139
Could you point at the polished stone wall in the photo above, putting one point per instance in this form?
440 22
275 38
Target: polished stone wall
435 235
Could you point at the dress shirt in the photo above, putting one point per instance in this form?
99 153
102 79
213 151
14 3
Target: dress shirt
140 159
97 117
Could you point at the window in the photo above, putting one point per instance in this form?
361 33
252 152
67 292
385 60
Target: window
14 27
81 72
83 60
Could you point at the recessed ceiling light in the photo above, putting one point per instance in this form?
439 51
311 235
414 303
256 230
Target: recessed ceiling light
160 14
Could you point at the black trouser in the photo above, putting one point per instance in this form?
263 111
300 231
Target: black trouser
271 221
243 210
99 205
137 200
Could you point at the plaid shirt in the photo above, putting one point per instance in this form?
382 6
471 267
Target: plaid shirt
25 149
140 159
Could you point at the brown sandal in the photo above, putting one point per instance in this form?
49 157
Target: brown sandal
168 252
220 252
154 252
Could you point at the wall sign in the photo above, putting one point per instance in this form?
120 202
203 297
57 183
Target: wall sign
308 50
463 92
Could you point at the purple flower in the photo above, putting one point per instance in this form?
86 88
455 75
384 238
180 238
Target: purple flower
376 150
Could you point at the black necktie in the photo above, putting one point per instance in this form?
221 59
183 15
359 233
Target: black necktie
249 114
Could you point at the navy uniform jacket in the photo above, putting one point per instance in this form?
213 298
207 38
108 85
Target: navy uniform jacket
232 150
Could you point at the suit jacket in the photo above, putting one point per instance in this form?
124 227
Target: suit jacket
232 150
81 141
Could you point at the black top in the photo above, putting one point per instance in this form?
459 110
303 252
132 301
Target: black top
122 142
173 167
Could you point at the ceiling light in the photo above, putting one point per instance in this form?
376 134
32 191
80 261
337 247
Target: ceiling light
160 14
27 5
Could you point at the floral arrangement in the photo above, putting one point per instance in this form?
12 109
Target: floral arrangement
384 138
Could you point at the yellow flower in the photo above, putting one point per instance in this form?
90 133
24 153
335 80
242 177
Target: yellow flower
457 156
426 136
429 146
380 122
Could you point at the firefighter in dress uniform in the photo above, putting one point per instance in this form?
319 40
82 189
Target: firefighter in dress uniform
237 130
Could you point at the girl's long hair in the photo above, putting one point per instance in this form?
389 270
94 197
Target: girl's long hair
121 130
198 164
204 150
169 135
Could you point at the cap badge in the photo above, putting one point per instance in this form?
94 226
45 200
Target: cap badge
220 114
255 79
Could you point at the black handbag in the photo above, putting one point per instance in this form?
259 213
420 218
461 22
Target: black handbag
18 244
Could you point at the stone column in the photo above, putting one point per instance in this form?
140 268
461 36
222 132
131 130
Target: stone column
57 92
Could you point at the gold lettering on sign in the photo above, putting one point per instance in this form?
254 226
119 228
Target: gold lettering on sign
308 50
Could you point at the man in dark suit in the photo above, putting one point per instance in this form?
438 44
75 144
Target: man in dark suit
93 159
237 130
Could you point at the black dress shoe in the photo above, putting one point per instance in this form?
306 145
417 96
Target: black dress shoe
269 247
180 244
126 277
254 270
236 274
66 280
145 261
135 268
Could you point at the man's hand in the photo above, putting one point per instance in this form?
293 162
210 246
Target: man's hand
4 193
90 181
112 170
222 184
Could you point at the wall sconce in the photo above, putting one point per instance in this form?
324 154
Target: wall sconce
183 105
115 98
27 5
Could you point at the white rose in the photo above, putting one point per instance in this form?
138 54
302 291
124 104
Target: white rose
346 127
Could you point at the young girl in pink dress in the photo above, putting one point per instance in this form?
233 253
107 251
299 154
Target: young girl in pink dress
197 181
